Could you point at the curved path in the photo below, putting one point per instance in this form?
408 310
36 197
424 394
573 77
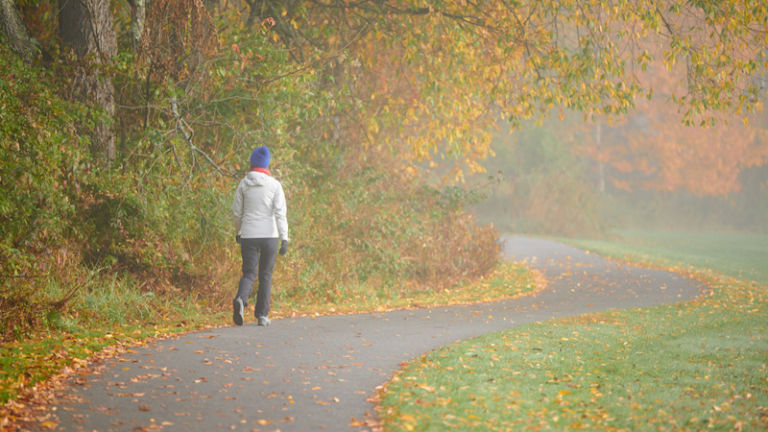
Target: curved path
310 374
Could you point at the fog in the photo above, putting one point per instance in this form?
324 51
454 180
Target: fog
570 177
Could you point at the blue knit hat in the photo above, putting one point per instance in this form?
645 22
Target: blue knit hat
260 158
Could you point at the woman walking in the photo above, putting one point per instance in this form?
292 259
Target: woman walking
259 212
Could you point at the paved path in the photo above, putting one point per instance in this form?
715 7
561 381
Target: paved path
313 374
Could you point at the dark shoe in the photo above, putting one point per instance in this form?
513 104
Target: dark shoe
264 321
237 313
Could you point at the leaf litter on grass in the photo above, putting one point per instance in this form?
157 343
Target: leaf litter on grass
695 366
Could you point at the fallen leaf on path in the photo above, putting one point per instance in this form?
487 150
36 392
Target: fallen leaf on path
50 424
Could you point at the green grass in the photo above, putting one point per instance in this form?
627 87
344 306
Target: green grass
743 256
505 281
104 312
694 366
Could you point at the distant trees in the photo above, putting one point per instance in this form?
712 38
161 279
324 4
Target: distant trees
653 148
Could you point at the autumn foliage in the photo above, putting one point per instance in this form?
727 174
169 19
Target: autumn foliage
355 99
653 148
193 99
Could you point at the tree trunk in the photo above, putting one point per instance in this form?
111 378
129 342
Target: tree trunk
600 162
17 33
86 27
138 18
211 5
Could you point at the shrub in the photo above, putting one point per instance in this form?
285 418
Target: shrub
44 169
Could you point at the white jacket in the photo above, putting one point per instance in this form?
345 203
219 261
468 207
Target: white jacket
259 208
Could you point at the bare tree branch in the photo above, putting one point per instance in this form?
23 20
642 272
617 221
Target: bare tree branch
187 133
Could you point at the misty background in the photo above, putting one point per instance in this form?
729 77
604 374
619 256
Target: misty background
541 181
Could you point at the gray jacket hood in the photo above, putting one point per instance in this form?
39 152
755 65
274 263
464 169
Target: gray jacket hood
254 178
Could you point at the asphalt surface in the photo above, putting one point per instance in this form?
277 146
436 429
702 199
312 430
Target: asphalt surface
310 374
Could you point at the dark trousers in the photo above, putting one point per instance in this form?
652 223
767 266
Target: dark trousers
258 262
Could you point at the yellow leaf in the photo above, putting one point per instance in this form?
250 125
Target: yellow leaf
49 424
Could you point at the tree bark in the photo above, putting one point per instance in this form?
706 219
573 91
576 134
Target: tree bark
86 27
17 33
211 5
138 18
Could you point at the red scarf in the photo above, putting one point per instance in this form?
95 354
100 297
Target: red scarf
262 170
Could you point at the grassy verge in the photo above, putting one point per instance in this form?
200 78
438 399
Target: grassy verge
505 281
694 366
101 314
118 315
742 256
101 319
